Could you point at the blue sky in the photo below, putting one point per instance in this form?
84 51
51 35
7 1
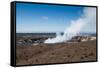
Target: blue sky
45 18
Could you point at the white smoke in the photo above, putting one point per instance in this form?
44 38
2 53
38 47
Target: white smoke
87 19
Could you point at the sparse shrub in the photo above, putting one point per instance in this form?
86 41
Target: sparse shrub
36 60
68 56
82 58
91 54
52 53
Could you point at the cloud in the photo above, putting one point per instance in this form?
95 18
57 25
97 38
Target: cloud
44 17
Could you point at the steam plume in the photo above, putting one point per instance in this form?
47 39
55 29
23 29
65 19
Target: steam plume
87 19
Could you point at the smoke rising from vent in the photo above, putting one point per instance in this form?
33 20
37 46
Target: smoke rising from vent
87 19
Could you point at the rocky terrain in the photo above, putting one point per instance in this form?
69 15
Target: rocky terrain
56 53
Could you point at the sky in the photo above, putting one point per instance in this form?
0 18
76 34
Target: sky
32 18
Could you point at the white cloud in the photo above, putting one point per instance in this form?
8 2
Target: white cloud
44 17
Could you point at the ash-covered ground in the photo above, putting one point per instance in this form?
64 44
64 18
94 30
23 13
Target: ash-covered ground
31 49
